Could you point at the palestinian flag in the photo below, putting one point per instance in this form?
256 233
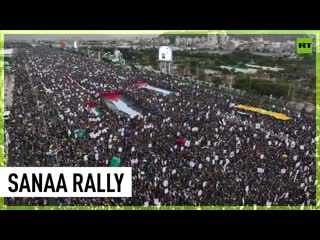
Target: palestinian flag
147 86
94 109
80 133
116 100
112 96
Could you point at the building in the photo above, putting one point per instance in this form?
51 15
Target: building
189 41
223 38
212 40
164 40
116 58
195 40
177 40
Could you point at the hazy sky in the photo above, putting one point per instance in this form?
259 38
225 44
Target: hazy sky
55 37
77 37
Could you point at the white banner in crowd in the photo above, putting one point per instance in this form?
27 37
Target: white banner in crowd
187 143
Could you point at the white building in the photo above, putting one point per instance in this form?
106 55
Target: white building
212 40
223 38
203 39
189 41
235 43
276 44
183 41
165 41
195 40
178 40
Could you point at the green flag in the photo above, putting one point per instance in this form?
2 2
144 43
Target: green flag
97 111
80 133
115 162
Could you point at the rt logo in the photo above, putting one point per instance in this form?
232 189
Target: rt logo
304 45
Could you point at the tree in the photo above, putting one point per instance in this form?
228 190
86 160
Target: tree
218 62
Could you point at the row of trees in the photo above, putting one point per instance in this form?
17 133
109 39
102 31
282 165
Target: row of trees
262 87
279 89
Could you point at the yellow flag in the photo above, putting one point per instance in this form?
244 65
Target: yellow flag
264 112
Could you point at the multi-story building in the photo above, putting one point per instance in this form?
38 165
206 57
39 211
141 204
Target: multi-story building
223 38
178 40
195 40
212 40
188 41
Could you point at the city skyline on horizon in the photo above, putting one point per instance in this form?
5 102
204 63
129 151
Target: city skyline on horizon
77 37
131 37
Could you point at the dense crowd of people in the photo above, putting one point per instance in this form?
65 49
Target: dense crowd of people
196 149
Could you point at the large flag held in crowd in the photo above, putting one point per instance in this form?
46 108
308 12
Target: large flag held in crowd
115 98
264 112
147 86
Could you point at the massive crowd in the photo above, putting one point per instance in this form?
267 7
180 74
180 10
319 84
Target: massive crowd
196 150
